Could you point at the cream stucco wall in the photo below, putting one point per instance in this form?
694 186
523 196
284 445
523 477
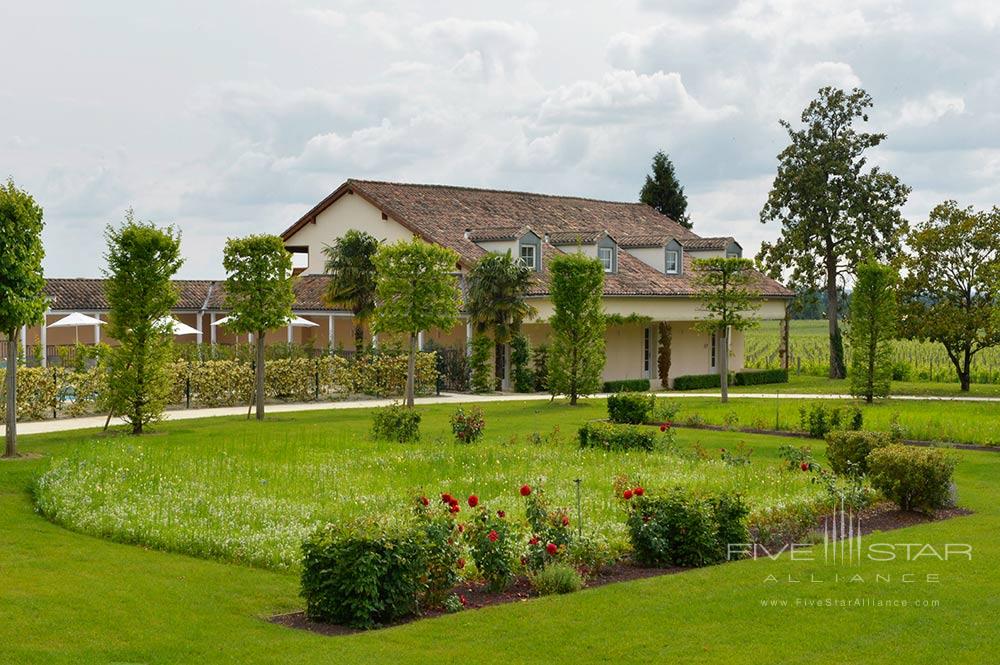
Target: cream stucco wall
662 309
654 257
350 211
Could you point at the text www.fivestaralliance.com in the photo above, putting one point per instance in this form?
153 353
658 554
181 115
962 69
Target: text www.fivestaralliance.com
854 601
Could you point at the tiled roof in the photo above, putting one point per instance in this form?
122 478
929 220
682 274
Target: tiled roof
644 240
496 233
707 243
442 214
86 294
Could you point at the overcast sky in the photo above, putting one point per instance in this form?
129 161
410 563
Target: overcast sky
227 118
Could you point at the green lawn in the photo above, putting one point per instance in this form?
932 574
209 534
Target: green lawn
956 422
821 385
71 598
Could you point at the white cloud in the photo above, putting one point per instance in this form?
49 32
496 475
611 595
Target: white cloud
327 17
933 107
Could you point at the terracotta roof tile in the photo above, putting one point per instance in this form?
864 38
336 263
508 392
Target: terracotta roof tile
707 243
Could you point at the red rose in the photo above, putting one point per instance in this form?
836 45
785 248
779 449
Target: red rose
638 491
453 502
525 490
663 427
461 599
454 508
627 494
460 563
493 536
424 501
501 514
565 521
524 561
533 541
473 501
446 498
805 466
552 549
461 528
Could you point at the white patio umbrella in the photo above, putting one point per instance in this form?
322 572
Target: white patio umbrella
178 328
75 320
295 321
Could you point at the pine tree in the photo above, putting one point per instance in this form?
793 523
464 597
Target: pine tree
664 192
873 325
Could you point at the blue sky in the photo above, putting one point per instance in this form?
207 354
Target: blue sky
227 118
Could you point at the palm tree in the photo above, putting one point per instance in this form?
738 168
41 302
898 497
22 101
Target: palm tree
497 286
349 264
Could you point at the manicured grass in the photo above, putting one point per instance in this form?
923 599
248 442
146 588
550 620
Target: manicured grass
955 422
821 385
248 492
71 598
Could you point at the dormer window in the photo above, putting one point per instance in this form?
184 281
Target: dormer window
607 257
528 256
673 265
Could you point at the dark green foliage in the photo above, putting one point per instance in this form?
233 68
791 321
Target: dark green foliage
663 192
848 451
352 278
682 529
873 326
759 377
468 425
520 356
497 286
395 423
696 381
634 385
481 362
576 358
818 419
617 437
491 539
913 478
631 408
540 361
362 574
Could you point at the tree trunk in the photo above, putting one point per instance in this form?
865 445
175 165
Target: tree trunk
572 379
837 369
784 347
411 370
723 354
10 449
259 376
966 371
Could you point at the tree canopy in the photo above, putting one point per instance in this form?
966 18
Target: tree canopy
22 285
873 327
663 191
834 209
951 293
576 356
350 264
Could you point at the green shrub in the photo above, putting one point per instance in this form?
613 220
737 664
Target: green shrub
549 527
629 385
395 423
683 529
441 551
481 362
696 382
520 354
797 458
631 408
818 419
848 452
492 543
556 578
913 478
467 426
362 573
617 437
759 377
540 361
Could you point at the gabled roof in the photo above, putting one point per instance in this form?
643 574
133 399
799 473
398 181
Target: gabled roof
644 240
721 242
442 214
497 233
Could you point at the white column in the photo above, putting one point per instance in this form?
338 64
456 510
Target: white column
24 343
374 341
468 338
198 326
420 341
212 327
97 329
45 340
289 333
329 332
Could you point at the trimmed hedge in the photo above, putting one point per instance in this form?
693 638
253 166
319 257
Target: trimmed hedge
617 437
912 478
848 451
696 381
631 408
626 385
759 377
395 423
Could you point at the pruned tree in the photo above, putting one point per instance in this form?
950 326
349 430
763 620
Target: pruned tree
576 355
833 208
416 289
951 293
259 294
663 191
142 259
496 299
22 286
873 327
349 262
730 299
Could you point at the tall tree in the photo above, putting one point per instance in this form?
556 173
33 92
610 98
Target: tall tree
833 209
873 327
662 191
142 260
497 287
730 300
259 293
951 293
22 285
416 289
576 356
349 262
